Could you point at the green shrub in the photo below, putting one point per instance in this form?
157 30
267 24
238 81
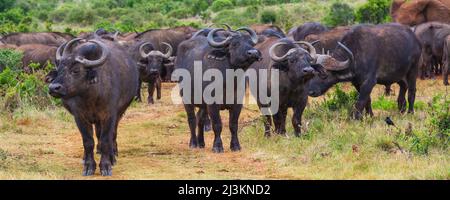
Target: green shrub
268 16
339 14
6 4
219 5
439 120
374 11
339 99
180 13
17 88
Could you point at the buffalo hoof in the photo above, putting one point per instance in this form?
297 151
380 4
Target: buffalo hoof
235 148
446 83
217 149
88 170
267 134
151 101
297 134
106 172
193 143
201 145
207 127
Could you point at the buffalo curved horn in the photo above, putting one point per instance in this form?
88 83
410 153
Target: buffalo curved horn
251 32
331 64
198 33
142 50
276 58
217 44
59 51
68 48
312 51
101 60
169 51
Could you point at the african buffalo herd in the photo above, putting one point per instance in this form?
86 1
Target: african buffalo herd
99 74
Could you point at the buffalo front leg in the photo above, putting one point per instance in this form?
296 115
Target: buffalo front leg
190 111
138 94
158 88
446 61
151 91
411 91
200 124
88 144
297 117
235 112
108 159
364 99
214 115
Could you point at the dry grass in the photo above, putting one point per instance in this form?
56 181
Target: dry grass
153 144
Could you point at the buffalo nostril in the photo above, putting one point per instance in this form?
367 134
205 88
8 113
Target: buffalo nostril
311 93
55 87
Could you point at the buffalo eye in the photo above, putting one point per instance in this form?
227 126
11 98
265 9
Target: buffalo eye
75 71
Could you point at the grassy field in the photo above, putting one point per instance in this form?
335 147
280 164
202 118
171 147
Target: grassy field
153 144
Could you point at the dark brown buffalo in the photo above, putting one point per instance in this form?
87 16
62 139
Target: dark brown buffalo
172 36
268 30
327 41
46 38
236 51
301 32
433 36
38 54
370 55
415 12
96 81
296 67
153 66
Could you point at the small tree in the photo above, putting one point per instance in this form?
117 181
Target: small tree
219 5
268 16
374 11
340 14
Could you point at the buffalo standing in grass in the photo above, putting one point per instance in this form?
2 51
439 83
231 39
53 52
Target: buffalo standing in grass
368 55
433 36
236 51
296 67
96 81
152 66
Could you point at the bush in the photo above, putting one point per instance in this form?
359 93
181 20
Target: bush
268 16
18 89
219 5
339 99
6 5
374 11
180 13
340 14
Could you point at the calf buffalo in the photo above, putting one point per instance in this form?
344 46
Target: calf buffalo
368 55
296 67
236 51
96 81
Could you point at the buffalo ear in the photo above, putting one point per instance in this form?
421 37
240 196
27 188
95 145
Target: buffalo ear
322 72
51 76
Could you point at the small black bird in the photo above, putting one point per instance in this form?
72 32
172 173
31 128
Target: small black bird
389 121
